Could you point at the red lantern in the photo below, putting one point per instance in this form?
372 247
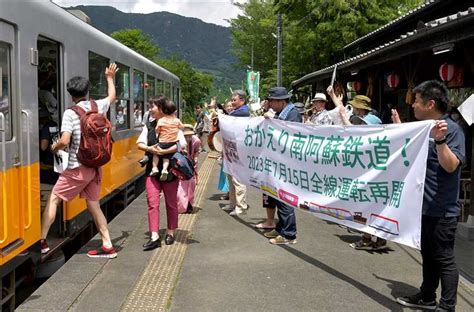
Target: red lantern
356 85
393 80
446 71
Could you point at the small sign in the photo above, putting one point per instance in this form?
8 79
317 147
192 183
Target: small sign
466 110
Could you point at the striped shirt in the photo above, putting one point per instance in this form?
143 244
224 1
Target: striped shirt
72 124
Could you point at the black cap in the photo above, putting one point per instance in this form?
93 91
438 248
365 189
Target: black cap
278 93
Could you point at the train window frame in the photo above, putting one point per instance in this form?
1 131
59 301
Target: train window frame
138 91
178 96
167 89
160 88
123 100
9 107
101 82
151 83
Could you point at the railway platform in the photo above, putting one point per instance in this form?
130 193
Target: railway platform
222 263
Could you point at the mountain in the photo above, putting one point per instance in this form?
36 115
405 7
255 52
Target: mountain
205 46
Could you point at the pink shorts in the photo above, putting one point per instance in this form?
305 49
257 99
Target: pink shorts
84 181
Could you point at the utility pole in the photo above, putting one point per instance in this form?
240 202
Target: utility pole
251 59
279 49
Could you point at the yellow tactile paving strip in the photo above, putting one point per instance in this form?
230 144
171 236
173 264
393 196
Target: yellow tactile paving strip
154 288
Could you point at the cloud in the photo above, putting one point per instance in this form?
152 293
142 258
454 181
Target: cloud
210 11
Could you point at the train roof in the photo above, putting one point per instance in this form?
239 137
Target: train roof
41 11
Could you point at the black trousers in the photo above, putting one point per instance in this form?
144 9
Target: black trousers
437 251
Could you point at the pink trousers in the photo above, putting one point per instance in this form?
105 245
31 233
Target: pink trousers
170 190
186 194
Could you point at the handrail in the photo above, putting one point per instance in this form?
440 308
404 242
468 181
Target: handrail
4 143
4 167
28 166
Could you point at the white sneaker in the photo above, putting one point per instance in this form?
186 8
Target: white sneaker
227 208
153 172
236 212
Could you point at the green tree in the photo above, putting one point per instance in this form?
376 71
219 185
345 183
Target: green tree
138 41
195 85
255 26
314 32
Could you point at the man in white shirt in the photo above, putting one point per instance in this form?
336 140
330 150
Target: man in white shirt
78 179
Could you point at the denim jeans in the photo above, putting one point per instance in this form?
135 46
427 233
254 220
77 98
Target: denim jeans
437 251
286 225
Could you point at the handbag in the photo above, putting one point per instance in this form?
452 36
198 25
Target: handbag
181 165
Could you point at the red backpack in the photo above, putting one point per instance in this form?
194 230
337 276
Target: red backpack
95 148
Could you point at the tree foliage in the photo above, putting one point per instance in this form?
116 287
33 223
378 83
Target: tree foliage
195 85
314 31
138 41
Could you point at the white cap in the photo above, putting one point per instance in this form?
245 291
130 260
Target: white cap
319 97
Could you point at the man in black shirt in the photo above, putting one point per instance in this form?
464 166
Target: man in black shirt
446 155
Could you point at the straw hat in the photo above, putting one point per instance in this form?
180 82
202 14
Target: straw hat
361 102
188 129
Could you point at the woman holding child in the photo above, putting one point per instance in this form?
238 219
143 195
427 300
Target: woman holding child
147 141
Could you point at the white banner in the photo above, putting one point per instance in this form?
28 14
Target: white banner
370 178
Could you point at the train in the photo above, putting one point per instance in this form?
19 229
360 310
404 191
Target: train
42 46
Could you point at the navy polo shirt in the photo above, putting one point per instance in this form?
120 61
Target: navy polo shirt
242 111
442 188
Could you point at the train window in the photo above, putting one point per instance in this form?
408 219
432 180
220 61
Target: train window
168 89
5 88
97 65
159 87
150 80
119 111
138 96
175 95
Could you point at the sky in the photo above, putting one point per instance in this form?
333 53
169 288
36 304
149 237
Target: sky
210 11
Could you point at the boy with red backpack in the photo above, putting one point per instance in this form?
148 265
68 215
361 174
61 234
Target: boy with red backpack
86 132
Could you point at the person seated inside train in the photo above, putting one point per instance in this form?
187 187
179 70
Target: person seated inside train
48 129
46 84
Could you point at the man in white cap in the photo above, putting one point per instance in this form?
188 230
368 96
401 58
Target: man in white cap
320 115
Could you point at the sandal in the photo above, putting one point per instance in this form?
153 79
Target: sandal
261 226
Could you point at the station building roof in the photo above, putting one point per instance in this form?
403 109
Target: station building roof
459 25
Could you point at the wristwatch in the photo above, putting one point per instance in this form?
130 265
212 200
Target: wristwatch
442 141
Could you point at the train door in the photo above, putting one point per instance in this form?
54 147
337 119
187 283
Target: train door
49 96
11 224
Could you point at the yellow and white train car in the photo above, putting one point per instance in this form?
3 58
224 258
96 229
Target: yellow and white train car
41 47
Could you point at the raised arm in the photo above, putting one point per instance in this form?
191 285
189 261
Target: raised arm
447 159
110 74
395 117
336 99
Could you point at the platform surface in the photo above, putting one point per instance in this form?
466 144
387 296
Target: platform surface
222 263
